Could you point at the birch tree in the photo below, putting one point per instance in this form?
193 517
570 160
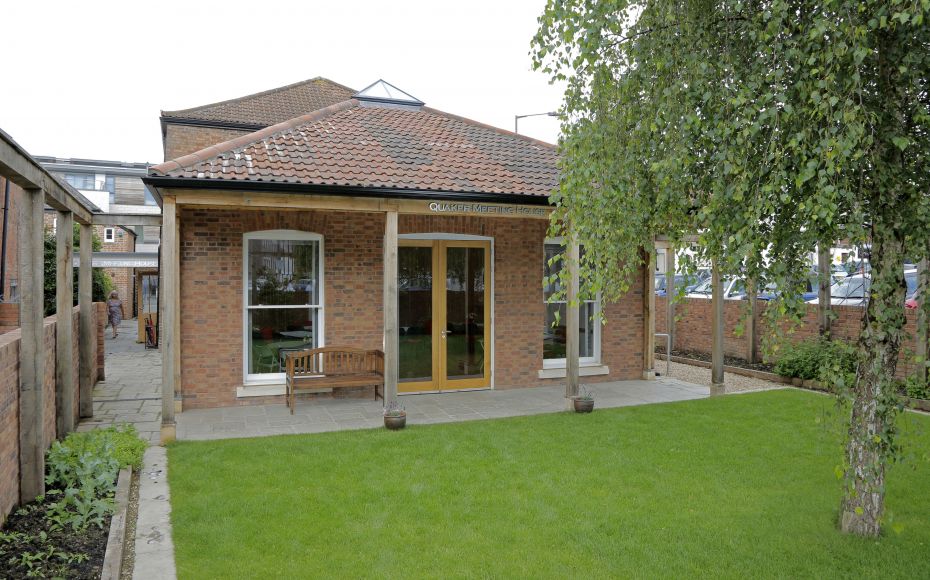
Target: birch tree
764 126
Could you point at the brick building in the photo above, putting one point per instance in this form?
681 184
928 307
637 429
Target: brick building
282 233
115 187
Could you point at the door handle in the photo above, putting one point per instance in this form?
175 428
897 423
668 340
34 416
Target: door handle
445 333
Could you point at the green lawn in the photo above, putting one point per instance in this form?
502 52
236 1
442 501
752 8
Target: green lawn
737 486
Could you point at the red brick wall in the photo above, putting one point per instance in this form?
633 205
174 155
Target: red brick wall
9 316
9 401
123 279
693 328
211 295
183 139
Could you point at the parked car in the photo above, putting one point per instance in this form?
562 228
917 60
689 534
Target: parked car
810 291
733 289
689 281
854 290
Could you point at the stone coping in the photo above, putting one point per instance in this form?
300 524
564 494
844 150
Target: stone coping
116 541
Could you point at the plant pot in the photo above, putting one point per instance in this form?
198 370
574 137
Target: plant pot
395 423
583 405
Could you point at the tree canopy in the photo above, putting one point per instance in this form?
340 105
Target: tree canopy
766 127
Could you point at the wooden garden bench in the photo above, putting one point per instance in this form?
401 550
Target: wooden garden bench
333 367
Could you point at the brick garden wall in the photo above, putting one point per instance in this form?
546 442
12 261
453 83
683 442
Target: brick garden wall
693 327
211 295
9 400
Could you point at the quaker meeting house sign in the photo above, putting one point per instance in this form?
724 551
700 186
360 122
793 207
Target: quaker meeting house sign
488 209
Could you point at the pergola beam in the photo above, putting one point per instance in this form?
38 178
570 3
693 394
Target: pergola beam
126 219
717 328
32 347
64 328
86 328
23 170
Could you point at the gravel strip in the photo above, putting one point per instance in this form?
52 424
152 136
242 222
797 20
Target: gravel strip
701 376
129 549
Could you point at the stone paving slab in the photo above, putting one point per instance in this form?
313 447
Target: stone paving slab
344 414
131 392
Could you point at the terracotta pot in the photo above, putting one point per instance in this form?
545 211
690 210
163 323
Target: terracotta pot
583 405
395 423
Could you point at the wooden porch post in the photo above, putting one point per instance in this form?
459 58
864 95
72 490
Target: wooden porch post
717 384
670 292
823 289
86 329
64 328
32 346
168 290
572 323
649 315
391 337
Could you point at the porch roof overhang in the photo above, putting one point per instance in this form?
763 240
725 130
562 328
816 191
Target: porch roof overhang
163 183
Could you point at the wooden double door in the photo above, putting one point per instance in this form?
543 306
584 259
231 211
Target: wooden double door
444 315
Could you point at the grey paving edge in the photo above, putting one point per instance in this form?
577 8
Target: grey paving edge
154 547
116 540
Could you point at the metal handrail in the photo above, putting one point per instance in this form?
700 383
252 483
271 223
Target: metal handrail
668 352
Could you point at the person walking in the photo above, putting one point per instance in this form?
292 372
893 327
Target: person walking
115 312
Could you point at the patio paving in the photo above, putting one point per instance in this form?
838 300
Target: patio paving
131 392
341 414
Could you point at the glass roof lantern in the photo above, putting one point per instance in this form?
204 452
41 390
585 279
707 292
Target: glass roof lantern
384 93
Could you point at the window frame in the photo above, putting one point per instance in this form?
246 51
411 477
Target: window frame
257 379
109 235
561 363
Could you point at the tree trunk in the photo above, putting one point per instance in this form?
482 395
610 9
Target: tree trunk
873 406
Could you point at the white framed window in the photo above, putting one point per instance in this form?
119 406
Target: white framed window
282 300
109 234
555 334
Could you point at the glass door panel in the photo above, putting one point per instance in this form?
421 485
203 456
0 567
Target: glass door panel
415 314
466 316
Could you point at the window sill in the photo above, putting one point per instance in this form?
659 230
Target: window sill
585 370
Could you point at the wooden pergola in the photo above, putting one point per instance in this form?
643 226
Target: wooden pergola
718 385
41 189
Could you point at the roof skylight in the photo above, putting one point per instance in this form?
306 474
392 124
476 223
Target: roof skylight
383 92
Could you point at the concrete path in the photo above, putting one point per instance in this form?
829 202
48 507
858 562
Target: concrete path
131 392
339 414
154 556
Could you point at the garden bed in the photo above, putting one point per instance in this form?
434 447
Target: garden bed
60 553
77 530
730 361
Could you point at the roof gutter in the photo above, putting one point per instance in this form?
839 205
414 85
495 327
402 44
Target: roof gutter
343 190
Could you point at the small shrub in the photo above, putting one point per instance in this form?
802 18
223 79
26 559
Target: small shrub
81 474
818 359
916 389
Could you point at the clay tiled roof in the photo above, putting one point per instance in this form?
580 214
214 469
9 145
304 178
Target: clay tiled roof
379 147
269 107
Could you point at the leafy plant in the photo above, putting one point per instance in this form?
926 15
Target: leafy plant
585 393
916 388
101 281
394 409
817 359
81 474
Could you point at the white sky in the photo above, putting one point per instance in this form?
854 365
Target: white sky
88 79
